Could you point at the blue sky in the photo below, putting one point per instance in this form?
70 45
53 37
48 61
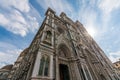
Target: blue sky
21 19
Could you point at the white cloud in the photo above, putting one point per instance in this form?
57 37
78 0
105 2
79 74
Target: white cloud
5 45
58 5
18 16
3 20
89 21
22 5
88 16
114 56
8 57
107 6
8 53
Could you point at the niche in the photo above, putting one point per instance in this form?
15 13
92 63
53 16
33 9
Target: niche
48 37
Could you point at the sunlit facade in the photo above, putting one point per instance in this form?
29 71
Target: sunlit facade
63 50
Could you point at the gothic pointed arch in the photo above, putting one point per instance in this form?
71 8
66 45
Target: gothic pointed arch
63 51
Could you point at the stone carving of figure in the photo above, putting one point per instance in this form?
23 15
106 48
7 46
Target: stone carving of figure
48 36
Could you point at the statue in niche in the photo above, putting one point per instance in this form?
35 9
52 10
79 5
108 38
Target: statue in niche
48 37
80 50
62 53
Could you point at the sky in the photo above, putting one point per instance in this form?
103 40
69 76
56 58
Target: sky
21 19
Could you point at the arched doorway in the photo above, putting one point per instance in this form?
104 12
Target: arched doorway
102 77
64 72
63 62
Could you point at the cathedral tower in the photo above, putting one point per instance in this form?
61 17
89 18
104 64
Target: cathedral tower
63 50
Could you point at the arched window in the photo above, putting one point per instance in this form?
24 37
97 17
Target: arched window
44 66
42 63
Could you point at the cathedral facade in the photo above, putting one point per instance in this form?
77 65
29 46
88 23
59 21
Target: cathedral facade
62 50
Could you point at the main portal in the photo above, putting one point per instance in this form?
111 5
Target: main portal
64 72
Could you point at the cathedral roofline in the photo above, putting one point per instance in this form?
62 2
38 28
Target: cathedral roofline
116 62
23 53
7 67
49 9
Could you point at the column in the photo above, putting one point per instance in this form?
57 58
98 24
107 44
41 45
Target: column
37 64
51 67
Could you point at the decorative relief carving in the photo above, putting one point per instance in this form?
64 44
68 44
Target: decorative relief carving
62 53
50 21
